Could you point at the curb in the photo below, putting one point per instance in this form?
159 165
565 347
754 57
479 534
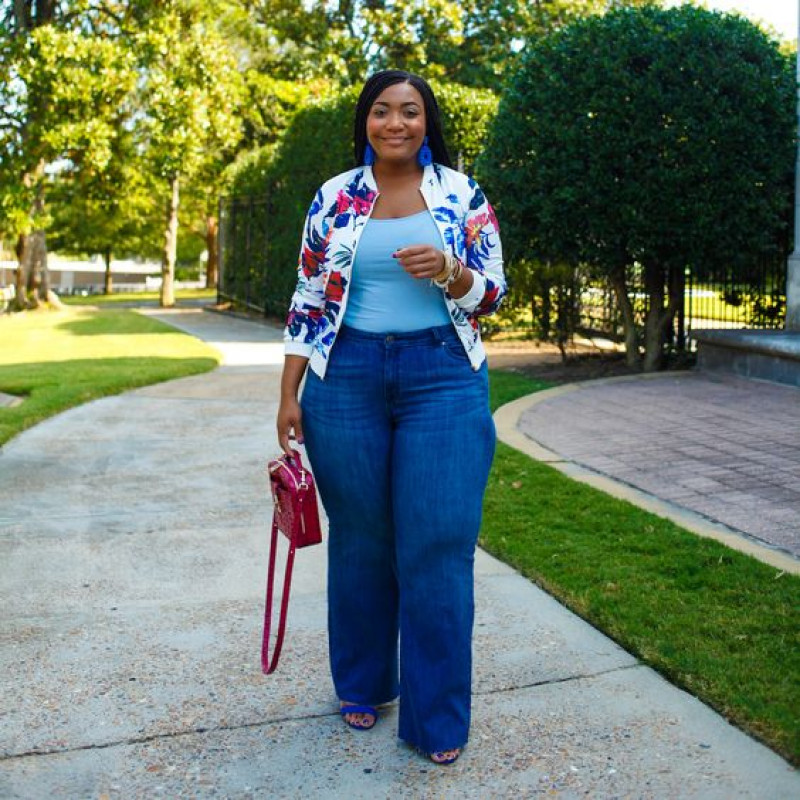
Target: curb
507 417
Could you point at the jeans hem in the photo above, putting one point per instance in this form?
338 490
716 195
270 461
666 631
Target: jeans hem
368 703
427 752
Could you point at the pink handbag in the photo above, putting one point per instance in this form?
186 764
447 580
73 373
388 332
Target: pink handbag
296 515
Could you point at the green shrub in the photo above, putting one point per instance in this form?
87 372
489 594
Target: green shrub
646 141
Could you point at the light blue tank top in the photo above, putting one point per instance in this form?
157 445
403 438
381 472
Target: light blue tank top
383 297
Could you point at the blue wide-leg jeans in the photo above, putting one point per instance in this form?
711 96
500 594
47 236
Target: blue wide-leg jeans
400 438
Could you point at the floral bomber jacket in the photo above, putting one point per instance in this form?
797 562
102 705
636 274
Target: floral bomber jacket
333 227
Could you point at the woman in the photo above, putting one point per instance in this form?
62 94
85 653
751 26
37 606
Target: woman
400 257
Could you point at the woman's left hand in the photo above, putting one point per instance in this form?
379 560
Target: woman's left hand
420 260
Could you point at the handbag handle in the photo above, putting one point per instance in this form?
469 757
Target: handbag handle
268 665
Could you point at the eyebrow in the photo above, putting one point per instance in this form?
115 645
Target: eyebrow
384 103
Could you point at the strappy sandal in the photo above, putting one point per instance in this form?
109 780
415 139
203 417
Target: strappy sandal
355 709
440 758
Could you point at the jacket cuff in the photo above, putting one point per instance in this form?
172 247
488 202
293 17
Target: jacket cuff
298 349
471 300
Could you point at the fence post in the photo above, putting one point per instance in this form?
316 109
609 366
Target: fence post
220 248
679 276
793 292
793 265
248 250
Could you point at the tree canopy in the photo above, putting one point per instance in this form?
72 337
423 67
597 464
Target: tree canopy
63 90
471 42
78 80
645 142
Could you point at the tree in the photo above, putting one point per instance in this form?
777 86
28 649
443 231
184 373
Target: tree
492 32
191 95
646 142
202 200
271 103
471 42
63 81
110 211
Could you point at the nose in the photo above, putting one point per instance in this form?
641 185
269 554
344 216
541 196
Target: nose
395 121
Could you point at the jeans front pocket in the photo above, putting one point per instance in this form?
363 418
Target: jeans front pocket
453 348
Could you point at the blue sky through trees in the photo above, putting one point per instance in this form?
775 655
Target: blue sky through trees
781 15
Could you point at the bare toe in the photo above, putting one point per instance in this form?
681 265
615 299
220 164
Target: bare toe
445 756
357 719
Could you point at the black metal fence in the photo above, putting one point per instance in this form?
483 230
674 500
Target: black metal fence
755 300
726 300
751 298
243 251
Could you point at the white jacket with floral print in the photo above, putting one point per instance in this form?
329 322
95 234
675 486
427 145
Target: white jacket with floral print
333 227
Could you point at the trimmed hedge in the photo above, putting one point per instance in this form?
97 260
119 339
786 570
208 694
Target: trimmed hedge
642 143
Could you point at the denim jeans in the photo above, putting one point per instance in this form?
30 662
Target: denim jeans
400 438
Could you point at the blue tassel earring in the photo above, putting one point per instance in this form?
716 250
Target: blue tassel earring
369 155
425 156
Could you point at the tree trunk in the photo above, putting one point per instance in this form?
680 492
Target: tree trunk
659 316
677 289
654 287
653 339
170 247
620 287
33 277
45 11
22 15
562 320
32 248
212 269
38 275
21 278
108 284
546 309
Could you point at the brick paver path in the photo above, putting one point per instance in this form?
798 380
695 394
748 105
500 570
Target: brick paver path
723 446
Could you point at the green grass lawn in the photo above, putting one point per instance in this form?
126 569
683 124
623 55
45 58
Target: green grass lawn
136 297
714 621
59 359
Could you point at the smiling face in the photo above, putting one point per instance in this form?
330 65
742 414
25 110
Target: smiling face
396 123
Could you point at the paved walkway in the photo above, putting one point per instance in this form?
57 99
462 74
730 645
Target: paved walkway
133 538
723 447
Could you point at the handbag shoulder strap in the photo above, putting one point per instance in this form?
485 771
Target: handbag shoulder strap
268 665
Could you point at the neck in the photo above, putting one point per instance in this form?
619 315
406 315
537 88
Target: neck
394 170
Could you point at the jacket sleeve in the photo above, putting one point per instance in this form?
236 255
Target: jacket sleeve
307 303
484 256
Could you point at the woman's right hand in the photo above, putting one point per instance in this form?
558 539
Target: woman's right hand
290 419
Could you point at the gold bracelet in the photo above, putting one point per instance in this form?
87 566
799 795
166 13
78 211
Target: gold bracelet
453 272
444 273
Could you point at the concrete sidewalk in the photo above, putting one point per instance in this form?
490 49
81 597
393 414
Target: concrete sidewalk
133 536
